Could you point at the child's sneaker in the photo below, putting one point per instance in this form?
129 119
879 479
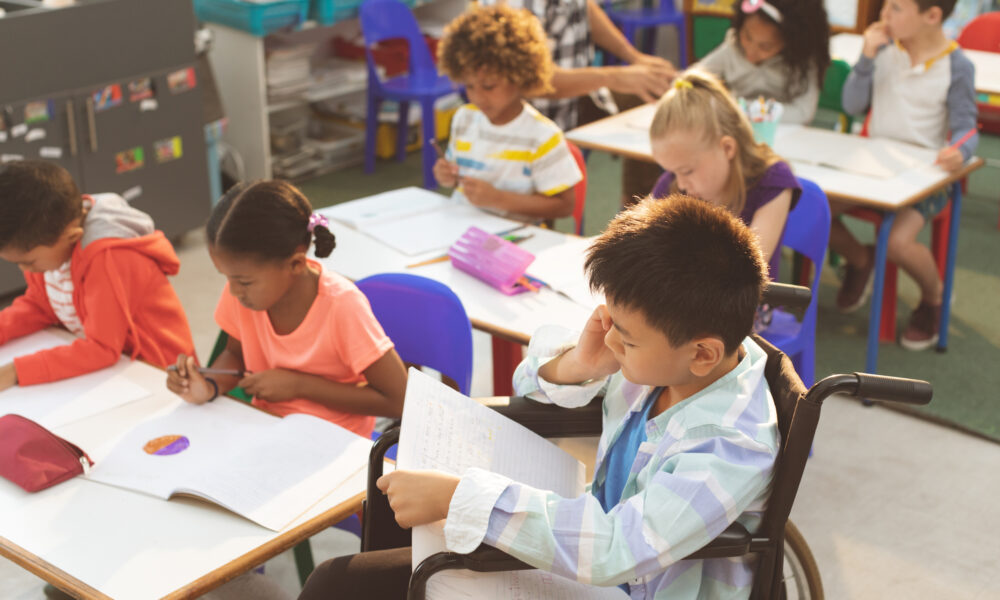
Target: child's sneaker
922 331
857 284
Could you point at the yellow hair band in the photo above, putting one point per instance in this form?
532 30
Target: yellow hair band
682 83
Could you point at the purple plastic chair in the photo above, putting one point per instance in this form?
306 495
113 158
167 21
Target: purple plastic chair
425 320
807 232
630 21
391 19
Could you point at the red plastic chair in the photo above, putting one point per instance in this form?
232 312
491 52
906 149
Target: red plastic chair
983 33
581 188
940 226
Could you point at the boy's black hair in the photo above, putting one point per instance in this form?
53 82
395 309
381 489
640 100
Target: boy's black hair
946 6
38 199
267 219
806 34
689 267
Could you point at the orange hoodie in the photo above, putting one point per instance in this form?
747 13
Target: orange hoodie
124 301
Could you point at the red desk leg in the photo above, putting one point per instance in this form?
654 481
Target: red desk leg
506 356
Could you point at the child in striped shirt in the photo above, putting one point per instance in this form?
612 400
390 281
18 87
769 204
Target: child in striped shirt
690 431
94 265
503 154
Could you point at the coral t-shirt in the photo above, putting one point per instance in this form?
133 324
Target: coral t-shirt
338 339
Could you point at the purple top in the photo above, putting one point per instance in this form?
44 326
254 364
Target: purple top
776 179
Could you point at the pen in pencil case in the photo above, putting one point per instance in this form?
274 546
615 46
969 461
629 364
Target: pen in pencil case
211 371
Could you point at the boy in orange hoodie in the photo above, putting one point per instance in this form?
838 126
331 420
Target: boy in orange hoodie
94 265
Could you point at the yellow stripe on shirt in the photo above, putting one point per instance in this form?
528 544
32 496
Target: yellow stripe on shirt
528 155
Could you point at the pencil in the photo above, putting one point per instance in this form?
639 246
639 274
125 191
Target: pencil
211 371
965 137
524 281
429 261
437 147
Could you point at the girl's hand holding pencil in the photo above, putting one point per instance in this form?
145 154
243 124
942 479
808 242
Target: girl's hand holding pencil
186 380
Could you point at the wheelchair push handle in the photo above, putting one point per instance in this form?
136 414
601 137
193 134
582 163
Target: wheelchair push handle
893 389
789 296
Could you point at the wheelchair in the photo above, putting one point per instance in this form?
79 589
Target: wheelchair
785 566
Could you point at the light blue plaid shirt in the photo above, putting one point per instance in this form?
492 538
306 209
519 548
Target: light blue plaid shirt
707 462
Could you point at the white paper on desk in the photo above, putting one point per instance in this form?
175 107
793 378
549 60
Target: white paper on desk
444 430
387 206
267 469
641 118
872 157
561 267
436 230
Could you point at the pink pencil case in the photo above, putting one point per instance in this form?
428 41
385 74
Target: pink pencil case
491 259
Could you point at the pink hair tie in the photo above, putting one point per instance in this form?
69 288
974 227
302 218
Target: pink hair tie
752 6
317 219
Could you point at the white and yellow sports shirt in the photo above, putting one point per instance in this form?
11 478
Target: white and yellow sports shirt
528 155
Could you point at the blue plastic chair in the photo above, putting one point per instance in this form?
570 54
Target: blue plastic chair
426 321
391 19
807 232
630 21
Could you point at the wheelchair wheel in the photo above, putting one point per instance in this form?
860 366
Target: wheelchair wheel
801 575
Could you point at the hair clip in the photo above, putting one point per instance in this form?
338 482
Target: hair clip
752 6
317 219
682 83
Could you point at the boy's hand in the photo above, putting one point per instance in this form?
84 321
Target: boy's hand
188 383
479 192
647 80
273 385
876 36
8 376
446 173
418 497
949 159
591 352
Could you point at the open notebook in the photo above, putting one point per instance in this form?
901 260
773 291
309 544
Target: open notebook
267 469
413 220
444 430
881 158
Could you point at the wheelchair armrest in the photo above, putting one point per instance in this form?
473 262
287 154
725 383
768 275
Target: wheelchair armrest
549 420
734 541
484 559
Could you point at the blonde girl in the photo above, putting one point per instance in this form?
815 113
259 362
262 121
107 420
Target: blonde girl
704 142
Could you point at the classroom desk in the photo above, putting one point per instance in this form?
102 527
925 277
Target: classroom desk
847 47
99 541
624 134
509 318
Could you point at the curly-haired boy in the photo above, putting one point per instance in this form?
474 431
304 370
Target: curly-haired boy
503 154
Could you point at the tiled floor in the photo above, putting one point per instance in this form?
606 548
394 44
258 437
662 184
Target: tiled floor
892 507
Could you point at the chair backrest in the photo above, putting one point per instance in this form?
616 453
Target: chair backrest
425 320
581 188
830 97
807 231
389 20
981 33
797 420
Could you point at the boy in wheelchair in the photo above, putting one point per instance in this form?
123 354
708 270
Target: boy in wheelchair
690 432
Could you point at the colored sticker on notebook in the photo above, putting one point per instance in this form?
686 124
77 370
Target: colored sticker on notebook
38 112
129 160
140 89
168 149
108 97
181 81
167 445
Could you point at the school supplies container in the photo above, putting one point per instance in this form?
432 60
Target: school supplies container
764 116
493 260
258 18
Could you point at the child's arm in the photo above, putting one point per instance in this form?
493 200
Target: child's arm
383 396
962 113
769 222
542 206
28 313
690 499
856 96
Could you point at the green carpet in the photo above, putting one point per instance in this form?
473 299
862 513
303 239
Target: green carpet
966 378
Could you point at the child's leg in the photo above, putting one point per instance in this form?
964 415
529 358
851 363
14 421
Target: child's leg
859 269
913 257
916 259
384 574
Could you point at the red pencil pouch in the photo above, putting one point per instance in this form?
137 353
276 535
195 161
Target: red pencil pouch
35 458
